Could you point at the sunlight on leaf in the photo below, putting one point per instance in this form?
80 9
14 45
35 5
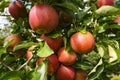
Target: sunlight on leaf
45 51
101 51
40 71
23 44
107 10
112 54
115 78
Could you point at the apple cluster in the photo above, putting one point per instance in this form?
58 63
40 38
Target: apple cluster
60 63
42 21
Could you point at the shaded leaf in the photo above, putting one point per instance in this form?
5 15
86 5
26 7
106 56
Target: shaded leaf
69 6
82 14
12 75
96 74
5 46
95 68
114 26
2 51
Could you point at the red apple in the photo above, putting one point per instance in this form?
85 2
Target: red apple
53 63
105 2
82 42
29 52
17 10
80 75
65 73
53 43
43 18
16 39
53 60
117 20
66 57
39 60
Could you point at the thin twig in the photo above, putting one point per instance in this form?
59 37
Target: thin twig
6 66
4 15
24 64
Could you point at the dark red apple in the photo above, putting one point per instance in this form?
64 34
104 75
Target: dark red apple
105 2
53 43
17 10
53 60
65 17
43 18
80 75
65 73
16 39
66 57
53 63
82 42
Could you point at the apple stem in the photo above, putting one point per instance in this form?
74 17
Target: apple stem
83 30
6 66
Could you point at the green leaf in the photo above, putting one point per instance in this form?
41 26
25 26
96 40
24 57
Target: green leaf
107 11
2 51
52 77
40 72
5 46
96 71
112 54
118 54
82 14
7 43
3 5
101 29
96 74
45 51
69 6
12 75
115 78
113 26
101 51
23 44
88 61
95 68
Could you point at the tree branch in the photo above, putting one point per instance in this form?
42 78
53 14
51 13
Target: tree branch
5 15
6 66
24 64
